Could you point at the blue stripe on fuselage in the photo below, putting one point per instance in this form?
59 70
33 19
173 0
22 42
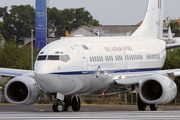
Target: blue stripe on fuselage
108 71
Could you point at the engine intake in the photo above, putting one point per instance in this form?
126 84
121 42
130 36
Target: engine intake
157 89
22 90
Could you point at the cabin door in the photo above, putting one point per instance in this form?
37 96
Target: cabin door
84 58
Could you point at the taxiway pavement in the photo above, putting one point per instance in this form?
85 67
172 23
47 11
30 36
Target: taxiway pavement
88 112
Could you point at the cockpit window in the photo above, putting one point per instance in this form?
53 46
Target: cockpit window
41 57
53 57
65 58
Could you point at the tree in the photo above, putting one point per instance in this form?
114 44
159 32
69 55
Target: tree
16 21
1 50
173 62
54 20
175 27
1 36
19 20
1 25
70 18
172 59
73 18
94 22
4 12
13 56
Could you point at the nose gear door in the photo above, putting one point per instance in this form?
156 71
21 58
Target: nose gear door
84 59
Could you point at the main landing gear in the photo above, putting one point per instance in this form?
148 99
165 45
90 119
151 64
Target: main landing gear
60 106
142 106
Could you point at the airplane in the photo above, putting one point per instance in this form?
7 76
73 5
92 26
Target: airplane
75 66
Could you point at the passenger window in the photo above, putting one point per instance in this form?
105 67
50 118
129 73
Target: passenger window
53 57
127 57
99 59
42 57
96 58
90 59
93 59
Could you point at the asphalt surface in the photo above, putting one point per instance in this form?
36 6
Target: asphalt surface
95 112
84 108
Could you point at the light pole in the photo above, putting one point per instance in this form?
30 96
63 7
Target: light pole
32 48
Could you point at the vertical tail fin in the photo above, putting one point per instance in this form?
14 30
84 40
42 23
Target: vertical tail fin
152 25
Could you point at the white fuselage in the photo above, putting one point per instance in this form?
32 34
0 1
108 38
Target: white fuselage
87 65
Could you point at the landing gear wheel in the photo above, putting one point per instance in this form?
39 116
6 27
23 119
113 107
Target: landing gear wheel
76 104
141 105
154 107
58 107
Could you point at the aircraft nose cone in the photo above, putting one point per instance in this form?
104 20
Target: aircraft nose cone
48 82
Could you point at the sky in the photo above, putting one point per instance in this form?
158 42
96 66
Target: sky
108 12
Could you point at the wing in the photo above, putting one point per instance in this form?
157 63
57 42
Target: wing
125 82
136 77
13 72
171 46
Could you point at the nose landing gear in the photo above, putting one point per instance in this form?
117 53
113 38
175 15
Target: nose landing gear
60 106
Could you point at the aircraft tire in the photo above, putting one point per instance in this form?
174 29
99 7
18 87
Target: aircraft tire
76 105
58 107
154 107
141 105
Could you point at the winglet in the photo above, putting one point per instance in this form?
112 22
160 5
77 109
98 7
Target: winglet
152 25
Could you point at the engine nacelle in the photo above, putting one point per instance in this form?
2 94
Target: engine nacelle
22 90
157 89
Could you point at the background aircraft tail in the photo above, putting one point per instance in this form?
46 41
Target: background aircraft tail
152 25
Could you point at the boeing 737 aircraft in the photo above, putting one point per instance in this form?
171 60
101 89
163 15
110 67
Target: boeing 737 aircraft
76 66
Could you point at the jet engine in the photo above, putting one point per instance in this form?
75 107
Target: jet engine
157 89
22 90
